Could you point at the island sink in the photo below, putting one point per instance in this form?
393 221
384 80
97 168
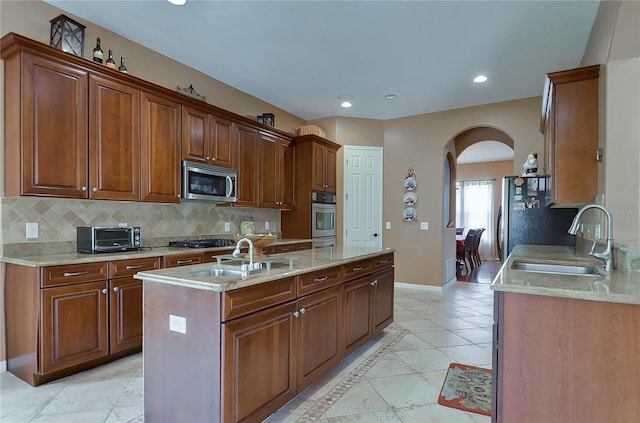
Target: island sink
556 268
218 272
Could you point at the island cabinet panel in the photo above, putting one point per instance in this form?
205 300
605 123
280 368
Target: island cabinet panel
51 117
319 334
240 302
160 134
114 140
259 356
357 313
181 370
382 302
567 360
75 325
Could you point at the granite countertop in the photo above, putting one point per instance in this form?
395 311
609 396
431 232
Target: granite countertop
78 258
300 262
615 286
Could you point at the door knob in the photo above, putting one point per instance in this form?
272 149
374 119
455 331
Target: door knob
375 235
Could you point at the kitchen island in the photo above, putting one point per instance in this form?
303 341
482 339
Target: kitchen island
566 346
237 348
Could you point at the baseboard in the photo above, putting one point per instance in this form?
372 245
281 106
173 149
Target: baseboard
3 366
431 288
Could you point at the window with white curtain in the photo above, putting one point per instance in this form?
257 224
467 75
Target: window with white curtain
474 209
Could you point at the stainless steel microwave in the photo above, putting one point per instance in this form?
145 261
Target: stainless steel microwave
208 183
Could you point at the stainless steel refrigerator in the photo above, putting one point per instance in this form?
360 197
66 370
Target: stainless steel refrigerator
525 218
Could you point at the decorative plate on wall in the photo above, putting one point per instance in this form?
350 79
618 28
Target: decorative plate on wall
410 183
409 214
410 198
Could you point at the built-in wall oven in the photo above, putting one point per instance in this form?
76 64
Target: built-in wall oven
323 219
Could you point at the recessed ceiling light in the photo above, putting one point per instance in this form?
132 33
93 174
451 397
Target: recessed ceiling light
479 79
178 2
390 96
345 100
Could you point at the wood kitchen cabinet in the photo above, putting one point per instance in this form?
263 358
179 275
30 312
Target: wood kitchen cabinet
79 131
247 166
315 170
183 259
207 138
565 360
160 133
114 140
569 124
68 318
277 165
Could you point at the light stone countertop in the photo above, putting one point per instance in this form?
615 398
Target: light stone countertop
302 262
615 286
78 258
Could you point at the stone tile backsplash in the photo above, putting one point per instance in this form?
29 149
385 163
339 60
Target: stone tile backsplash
58 218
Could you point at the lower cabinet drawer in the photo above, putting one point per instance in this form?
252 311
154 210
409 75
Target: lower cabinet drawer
129 267
73 273
239 302
183 260
318 280
357 269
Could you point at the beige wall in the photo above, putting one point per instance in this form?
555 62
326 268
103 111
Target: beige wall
615 44
419 142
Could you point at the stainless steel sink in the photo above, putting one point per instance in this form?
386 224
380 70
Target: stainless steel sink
218 272
556 268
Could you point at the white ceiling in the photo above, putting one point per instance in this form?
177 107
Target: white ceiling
301 55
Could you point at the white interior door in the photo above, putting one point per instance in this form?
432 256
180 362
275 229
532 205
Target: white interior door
362 196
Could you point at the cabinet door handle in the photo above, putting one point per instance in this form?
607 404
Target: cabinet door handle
115 289
134 267
296 314
69 274
357 269
302 310
322 279
374 283
208 158
94 189
184 261
84 189
104 291
384 261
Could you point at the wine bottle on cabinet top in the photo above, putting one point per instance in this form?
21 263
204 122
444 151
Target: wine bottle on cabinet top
122 68
110 62
97 52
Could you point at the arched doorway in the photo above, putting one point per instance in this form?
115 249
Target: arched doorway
477 192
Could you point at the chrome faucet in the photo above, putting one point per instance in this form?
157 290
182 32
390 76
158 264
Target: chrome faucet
251 266
606 256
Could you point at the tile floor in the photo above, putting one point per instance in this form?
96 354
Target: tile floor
394 378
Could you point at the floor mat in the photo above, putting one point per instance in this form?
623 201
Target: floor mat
467 388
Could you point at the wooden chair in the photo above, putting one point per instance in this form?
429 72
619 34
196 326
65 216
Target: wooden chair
465 256
475 254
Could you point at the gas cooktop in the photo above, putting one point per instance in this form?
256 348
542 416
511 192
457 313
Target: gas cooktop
203 243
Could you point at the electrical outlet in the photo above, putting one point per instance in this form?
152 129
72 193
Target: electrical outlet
122 225
227 226
177 324
32 230
387 225
424 226
266 225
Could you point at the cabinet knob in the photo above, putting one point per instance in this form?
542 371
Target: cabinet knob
104 291
208 158
296 314
84 189
94 189
302 310
374 283
115 289
213 159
